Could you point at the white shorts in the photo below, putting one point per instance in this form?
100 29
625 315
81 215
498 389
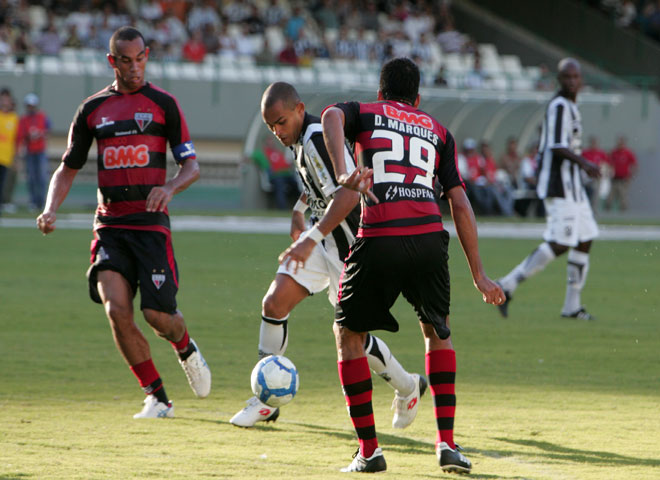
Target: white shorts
569 222
322 269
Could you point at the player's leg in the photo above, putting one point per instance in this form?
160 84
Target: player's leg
158 276
441 372
282 296
116 295
559 233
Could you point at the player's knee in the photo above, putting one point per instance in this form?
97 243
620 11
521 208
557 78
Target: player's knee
272 308
118 313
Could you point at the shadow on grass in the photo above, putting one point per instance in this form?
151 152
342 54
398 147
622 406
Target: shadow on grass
559 452
15 476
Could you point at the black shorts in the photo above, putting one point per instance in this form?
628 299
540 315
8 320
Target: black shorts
378 269
145 258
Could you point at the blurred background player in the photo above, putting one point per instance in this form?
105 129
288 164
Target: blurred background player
8 129
401 248
33 130
314 260
570 221
132 122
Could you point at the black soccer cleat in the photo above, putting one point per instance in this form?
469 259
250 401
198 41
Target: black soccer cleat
504 308
375 463
581 314
452 461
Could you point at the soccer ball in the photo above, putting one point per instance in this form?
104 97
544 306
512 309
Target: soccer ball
275 380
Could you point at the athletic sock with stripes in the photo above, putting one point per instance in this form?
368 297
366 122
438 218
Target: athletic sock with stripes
385 365
441 372
576 275
184 347
273 336
355 380
533 264
149 380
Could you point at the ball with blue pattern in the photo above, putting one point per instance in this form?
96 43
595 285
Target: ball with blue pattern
275 380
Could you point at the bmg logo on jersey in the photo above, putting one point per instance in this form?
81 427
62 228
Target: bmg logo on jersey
126 156
411 118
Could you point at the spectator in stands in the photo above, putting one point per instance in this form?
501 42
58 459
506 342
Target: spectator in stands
475 78
440 79
498 181
266 55
295 24
594 186
82 19
227 43
49 42
33 129
245 47
151 10
6 49
73 40
626 13
526 199
210 38
8 129
510 160
288 54
203 12
236 11
326 16
624 164
417 23
22 45
474 171
370 16
194 49
449 39
280 171
254 21
274 14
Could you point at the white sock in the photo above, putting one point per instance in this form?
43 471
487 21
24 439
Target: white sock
273 336
385 365
576 275
533 264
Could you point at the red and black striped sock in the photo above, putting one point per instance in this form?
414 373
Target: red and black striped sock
149 380
355 379
184 348
441 371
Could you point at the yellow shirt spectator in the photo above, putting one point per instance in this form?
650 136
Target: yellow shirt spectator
8 128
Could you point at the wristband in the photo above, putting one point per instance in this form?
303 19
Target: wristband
300 206
315 234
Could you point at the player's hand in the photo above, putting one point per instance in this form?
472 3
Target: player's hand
591 169
297 224
46 222
359 180
297 254
159 198
492 293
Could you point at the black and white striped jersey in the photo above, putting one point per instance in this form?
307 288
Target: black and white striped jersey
318 177
562 127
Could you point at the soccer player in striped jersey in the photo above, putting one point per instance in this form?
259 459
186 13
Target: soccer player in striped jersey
401 248
314 260
132 121
570 221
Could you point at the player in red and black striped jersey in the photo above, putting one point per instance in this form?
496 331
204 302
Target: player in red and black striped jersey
401 247
132 122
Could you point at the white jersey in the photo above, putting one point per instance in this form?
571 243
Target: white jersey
562 127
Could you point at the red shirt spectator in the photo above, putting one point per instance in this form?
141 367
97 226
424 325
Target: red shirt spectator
623 160
594 153
33 128
288 54
481 169
194 49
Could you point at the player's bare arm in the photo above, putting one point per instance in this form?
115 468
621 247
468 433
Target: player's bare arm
340 206
298 218
466 229
58 189
590 169
160 197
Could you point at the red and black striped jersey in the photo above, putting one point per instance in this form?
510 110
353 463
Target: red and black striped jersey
131 131
408 151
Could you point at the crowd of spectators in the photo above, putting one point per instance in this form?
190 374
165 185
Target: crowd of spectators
642 15
271 31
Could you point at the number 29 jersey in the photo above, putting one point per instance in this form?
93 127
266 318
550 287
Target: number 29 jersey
408 151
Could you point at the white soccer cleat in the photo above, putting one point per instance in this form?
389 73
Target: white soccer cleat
405 408
256 411
197 372
155 409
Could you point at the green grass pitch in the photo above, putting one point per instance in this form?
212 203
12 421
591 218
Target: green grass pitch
539 397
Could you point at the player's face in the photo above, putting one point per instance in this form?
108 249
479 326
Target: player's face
285 122
570 79
129 64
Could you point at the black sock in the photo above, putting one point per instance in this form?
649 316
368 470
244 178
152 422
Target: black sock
156 389
189 351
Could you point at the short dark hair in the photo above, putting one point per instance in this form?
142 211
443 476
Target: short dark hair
279 91
399 80
123 33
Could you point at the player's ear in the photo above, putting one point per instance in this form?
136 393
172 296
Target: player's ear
300 108
111 60
379 96
416 104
